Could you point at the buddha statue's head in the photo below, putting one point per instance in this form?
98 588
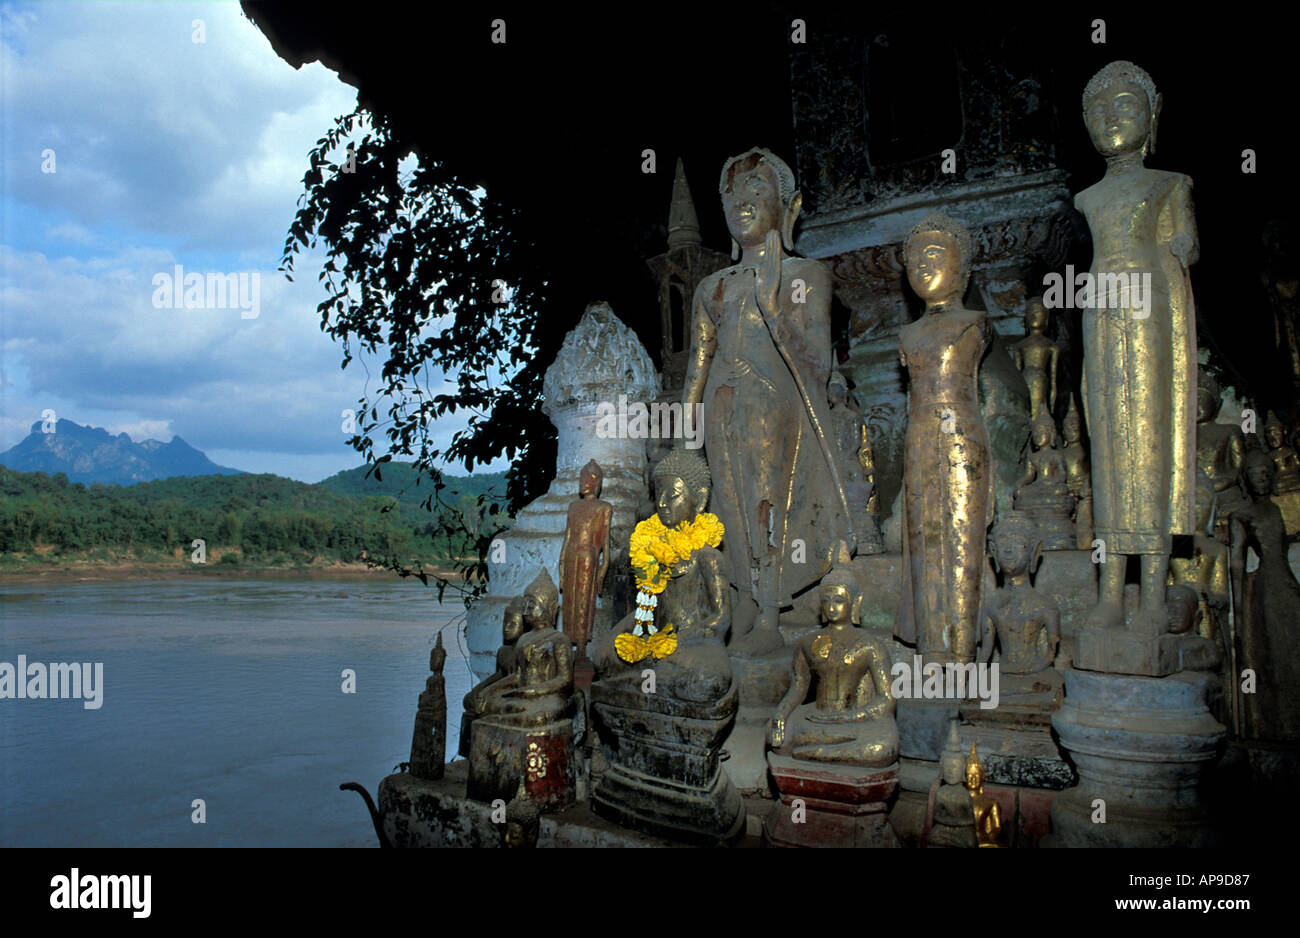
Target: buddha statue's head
838 594
541 602
682 482
1071 424
1042 432
1259 472
974 772
837 389
759 195
937 254
590 479
1274 432
1035 316
1207 500
523 824
1184 607
1014 545
1120 110
1208 397
512 623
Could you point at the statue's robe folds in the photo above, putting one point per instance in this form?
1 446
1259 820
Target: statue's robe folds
948 499
1139 372
772 483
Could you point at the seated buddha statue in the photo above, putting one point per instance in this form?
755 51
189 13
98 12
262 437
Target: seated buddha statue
1022 623
1043 492
537 691
988 813
851 720
952 822
512 627
683 603
1286 485
1206 571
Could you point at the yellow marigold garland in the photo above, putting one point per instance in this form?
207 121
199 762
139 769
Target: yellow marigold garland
653 551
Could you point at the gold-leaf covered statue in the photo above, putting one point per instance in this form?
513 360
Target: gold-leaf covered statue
852 719
947 477
857 464
988 814
538 690
1078 475
1022 623
1139 341
759 361
1043 491
1036 356
584 556
1286 465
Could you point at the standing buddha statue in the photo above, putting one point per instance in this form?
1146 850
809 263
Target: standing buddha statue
1139 359
584 557
947 477
1036 356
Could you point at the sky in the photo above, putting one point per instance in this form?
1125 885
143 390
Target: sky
131 147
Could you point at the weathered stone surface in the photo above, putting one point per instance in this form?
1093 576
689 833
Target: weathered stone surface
825 805
1141 746
539 759
600 360
419 813
663 773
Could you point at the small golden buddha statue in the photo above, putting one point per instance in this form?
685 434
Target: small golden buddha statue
1139 347
1078 475
512 628
852 720
1043 492
759 360
857 464
1023 624
537 691
1285 461
1036 356
947 473
988 814
584 557
1207 570
1220 452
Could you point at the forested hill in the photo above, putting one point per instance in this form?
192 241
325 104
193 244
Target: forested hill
264 519
398 481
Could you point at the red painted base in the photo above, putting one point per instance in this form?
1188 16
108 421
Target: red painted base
830 805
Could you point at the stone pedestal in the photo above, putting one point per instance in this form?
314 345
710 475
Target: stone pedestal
663 772
1141 745
825 805
601 360
1124 651
501 755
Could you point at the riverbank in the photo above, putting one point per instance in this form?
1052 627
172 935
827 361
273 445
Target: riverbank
115 572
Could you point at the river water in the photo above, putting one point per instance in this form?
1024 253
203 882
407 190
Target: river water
229 691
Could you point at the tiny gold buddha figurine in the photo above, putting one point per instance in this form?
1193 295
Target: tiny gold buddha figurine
852 719
1043 492
1023 624
988 814
1036 356
1267 621
1207 570
1139 347
759 360
857 464
429 741
953 821
538 690
1286 465
1220 452
1078 475
947 475
512 628
1285 461
584 557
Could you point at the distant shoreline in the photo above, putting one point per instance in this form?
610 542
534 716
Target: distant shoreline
113 572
